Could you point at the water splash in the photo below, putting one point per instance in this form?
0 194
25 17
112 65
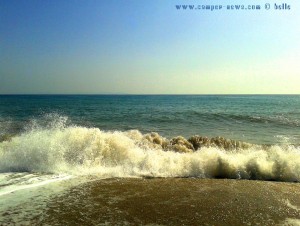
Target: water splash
58 148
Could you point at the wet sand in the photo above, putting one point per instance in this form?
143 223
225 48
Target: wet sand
176 201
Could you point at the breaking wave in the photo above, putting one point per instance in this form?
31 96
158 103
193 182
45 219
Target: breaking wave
58 148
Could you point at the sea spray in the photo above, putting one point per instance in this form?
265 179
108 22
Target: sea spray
79 150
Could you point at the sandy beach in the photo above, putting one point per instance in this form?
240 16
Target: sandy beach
176 201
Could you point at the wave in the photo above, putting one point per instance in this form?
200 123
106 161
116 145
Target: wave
273 119
276 119
57 148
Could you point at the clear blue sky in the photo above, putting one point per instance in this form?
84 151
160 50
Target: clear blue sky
149 47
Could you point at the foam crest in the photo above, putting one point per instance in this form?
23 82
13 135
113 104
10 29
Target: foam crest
81 150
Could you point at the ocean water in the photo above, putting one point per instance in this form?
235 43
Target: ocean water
49 143
257 119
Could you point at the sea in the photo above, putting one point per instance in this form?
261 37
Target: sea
52 143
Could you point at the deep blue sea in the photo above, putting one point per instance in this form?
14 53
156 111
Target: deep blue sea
259 119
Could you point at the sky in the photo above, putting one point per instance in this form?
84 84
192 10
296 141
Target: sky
148 47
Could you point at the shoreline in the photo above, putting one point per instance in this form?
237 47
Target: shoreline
175 201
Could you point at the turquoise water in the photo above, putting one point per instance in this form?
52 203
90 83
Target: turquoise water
258 119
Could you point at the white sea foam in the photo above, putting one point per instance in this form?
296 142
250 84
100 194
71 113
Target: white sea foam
291 222
288 203
80 151
15 182
24 196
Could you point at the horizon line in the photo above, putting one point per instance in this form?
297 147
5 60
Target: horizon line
141 94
